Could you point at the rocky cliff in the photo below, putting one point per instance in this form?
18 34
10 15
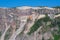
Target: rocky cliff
29 23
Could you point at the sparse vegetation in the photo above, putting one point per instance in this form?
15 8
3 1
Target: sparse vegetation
38 23
18 21
0 34
57 36
7 34
56 7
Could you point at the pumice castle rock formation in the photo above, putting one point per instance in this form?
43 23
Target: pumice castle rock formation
29 23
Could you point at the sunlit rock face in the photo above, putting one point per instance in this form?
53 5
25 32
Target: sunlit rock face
21 19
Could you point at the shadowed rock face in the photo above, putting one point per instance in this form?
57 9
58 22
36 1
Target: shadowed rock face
14 17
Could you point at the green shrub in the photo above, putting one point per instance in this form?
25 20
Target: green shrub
38 23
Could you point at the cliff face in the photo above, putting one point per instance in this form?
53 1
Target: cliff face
23 23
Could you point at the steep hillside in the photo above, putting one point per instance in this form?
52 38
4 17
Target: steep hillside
30 23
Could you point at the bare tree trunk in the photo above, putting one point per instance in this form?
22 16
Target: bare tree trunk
3 35
18 31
